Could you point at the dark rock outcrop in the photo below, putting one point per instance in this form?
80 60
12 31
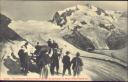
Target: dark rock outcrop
7 33
100 11
60 19
117 40
80 41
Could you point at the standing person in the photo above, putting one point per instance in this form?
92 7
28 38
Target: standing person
49 45
26 63
21 57
60 52
37 47
37 51
54 46
55 62
44 61
66 63
77 64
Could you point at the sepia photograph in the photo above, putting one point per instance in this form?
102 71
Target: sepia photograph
44 40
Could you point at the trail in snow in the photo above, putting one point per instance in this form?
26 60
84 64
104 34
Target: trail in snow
105 71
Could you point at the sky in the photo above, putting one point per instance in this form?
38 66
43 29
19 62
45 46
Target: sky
44 10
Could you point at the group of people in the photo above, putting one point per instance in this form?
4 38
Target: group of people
76 63
44 61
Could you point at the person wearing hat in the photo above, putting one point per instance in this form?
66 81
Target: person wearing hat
24 60
38 48
77 64
21 57
55 46
66 63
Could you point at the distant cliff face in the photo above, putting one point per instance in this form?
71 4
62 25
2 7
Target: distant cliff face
5 32
97 28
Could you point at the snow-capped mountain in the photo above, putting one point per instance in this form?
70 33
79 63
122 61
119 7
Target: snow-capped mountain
86 12
98 26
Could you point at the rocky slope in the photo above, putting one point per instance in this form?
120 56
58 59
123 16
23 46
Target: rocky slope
5 32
